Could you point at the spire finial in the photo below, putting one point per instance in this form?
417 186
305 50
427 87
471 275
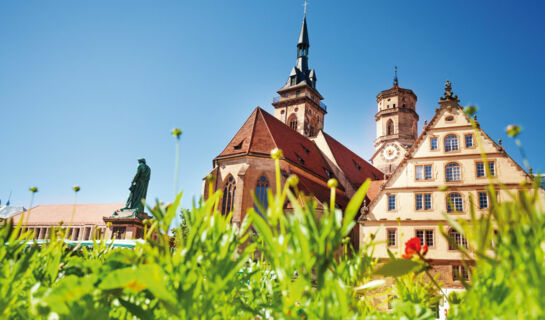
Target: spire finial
395 77
305 4
449 95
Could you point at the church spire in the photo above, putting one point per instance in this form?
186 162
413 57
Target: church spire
302 48
395 78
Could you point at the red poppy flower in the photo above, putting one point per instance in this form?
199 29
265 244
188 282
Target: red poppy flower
424 249
411 247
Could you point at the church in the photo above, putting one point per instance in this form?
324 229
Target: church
406 170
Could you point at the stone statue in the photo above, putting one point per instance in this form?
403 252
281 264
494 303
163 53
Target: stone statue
139 189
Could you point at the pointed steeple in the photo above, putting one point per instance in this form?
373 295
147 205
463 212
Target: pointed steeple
303 36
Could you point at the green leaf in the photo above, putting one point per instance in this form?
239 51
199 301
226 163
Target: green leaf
353 206
397 267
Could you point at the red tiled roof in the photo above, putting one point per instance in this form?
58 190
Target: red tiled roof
82 215
356 169
374 189
262 132
321 192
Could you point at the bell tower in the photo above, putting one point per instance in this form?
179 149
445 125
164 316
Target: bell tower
299 104
397 126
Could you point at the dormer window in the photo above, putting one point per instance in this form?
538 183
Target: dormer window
301 161
356 165
293 80
306 149
328 173
238 146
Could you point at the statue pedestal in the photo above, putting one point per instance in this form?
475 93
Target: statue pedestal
126 224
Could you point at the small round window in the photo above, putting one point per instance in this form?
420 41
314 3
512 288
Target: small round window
449 118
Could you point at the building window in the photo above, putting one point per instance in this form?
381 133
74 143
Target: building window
423 201
228 195
433 143
390 127
391 202
451 143
423 172
458 238
459 272
293 122
425 236
455 203
392 237
261 193
483 200
453 172
469 140
297 93
394 105
293 80
449 118
119 232
480 169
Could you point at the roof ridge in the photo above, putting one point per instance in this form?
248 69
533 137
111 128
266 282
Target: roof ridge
260 112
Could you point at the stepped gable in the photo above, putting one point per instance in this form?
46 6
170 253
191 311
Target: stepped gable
262 132
321 192
355 168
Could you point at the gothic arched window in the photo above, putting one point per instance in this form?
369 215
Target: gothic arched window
458 238
293 122
228 195
455 202
453 172
261 193
390 127
451 142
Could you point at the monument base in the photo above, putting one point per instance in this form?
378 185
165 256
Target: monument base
126 224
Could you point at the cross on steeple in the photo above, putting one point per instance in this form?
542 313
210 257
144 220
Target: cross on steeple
305 6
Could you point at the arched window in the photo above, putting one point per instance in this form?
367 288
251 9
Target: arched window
261 193
293 122
228 195
453 172
455 203
458 238
451 143
390 127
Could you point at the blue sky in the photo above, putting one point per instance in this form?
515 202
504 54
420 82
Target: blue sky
86 88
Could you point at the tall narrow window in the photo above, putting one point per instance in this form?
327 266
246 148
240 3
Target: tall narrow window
228 195
453 172
459 272
390 127
391 202
483 200
392 237
451 143
455 202
433 143
293 122
261 193
458 238
469 140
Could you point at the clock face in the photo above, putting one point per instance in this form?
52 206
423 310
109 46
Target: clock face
390 152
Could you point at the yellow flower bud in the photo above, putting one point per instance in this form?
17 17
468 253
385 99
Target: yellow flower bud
276 154
176 132
293 180
332 183
33 189
76 188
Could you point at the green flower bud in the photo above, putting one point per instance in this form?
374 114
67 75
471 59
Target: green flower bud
293 180
513 130
176 132
33 189
276 154
470 110
76 188
332 183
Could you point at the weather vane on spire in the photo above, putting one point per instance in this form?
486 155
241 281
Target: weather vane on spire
305 6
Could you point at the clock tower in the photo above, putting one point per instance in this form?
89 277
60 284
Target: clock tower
397 129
